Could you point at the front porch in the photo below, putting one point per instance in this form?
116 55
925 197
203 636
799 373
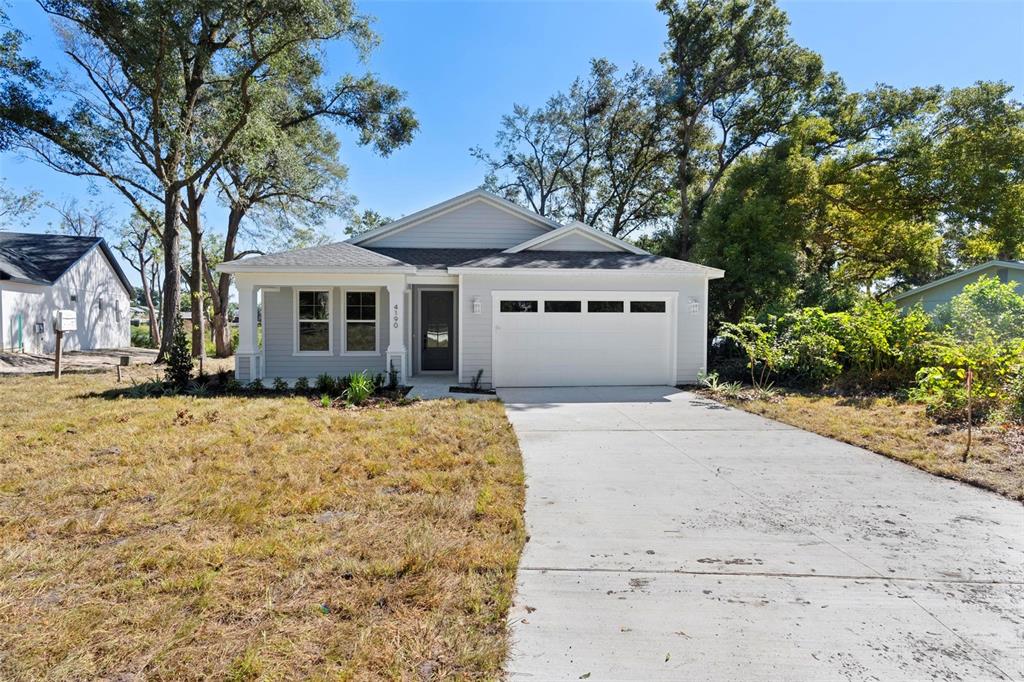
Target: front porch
344 323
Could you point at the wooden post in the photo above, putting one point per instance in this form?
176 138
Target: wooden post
970 421
56 356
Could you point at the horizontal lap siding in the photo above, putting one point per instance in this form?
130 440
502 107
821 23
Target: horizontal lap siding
279 339
477 225
476 327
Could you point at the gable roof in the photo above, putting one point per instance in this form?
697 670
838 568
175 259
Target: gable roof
337 255
451 204
1011 264
576 228
573 261
44 258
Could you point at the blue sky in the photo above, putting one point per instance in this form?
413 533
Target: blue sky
463 65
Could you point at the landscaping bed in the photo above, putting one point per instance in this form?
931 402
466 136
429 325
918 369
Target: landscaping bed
900 430
220 536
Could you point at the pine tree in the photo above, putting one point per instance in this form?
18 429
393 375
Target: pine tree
179 360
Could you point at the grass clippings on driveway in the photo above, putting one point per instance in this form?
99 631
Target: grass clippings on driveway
195 538
902 431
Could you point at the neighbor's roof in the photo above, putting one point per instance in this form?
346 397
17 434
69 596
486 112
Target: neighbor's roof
1011 264
339 255
43 258
586 260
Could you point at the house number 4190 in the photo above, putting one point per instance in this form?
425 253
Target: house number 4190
396 316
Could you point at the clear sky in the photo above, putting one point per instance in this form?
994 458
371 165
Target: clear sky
463 65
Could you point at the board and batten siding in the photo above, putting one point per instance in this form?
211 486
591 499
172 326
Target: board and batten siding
279 339
101 305
474 225
477 327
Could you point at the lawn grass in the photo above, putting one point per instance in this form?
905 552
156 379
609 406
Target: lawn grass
902 431
242 538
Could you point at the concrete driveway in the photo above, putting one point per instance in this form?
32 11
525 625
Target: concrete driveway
674 539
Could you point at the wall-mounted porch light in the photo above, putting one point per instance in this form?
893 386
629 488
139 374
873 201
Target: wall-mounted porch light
476 305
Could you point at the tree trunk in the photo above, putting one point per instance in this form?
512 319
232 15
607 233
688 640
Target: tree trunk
171 298
154 331
222 318
195 279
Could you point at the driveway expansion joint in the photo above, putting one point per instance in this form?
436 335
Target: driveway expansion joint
771 574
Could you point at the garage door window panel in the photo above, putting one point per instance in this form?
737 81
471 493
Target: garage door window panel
518 306
605 306
646 306
562 306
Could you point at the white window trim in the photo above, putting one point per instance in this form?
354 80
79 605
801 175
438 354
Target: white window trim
344 322
330 321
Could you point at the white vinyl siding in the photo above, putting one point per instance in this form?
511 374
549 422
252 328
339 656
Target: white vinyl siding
691 348
474 225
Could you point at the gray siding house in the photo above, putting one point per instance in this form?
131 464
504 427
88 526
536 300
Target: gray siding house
941 291
475 286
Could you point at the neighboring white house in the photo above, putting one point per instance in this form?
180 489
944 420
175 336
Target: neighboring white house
476 285
941 291
41 273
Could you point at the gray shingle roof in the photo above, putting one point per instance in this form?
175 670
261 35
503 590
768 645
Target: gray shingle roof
584 260
337 255
43 258
437 259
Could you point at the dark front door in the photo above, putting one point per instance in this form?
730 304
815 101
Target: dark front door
438 338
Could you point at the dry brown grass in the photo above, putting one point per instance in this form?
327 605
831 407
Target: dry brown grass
901 430
188 538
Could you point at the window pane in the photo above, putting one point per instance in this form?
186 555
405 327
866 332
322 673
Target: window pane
360 336
605 307
437 335
361 305
562 306
646 306
313 305
518 306
314 336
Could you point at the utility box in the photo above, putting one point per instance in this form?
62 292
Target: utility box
65 321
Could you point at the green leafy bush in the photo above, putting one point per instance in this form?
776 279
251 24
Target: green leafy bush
302 385
280 384
325 383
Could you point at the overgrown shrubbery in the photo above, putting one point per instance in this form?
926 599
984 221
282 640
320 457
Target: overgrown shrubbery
876 347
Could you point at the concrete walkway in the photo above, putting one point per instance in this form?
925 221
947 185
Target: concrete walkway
674 539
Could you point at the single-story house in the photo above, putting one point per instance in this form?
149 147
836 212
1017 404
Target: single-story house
943 290
43 273
475 287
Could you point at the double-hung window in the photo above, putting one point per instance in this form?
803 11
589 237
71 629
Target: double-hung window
360 321
313 321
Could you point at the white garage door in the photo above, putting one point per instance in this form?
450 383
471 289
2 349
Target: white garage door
583 338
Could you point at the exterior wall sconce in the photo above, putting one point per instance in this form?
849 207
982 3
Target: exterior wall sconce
694 306
476 305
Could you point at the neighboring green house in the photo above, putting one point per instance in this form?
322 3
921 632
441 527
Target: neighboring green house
943 290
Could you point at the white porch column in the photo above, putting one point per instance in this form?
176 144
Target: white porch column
395 356
247 357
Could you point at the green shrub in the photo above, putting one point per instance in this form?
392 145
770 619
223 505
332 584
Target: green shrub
179 360
302 385
280 384
255 386
759 343
986 310
325 383
359 388
141 338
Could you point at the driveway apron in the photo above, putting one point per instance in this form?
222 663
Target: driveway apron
672 538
